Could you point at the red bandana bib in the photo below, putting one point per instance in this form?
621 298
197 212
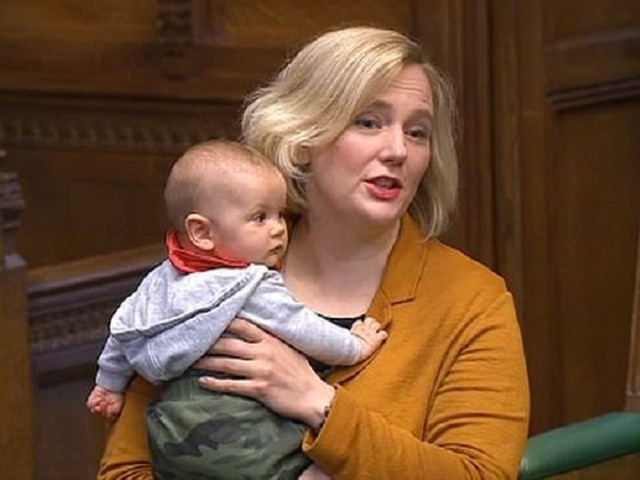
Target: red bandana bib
187 261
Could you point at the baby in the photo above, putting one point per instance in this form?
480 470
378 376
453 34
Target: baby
226 203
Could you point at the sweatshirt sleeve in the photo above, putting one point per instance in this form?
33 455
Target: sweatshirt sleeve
181 330
273 308
126 455
476 425
114 370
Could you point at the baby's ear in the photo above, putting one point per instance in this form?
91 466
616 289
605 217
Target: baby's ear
200 231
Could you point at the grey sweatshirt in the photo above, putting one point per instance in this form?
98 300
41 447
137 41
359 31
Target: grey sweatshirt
173 318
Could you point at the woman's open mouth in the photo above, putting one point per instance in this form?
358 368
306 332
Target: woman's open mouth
384 188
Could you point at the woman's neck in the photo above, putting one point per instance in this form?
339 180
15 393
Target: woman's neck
334 269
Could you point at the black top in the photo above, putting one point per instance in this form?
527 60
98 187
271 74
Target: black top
323 369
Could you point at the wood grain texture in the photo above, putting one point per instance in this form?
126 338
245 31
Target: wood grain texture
16 404
633 375
97 100
70 305
567 124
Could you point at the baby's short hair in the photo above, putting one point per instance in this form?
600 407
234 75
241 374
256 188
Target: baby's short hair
197 171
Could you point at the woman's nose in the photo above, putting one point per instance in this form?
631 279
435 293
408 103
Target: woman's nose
395 147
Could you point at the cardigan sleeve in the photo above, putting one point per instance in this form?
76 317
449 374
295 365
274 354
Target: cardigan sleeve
126 455
475 428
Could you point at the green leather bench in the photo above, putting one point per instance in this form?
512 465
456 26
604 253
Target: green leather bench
580 445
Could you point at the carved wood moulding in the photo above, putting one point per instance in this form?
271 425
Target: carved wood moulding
67 328
72 126
11 206
613 73
175 27
583 97
175 37
70 306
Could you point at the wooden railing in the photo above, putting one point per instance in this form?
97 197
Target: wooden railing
70 305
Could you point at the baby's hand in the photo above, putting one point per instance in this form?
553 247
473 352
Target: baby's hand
106 403
369 331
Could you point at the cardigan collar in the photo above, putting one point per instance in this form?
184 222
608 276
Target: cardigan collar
402 273
404 268
400 280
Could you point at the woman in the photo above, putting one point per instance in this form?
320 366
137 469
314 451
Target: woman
361 126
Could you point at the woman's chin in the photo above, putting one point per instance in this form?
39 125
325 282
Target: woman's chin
381 218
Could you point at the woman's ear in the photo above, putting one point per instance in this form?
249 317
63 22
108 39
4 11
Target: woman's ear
200 231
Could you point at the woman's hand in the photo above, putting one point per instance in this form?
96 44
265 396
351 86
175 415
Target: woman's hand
273 373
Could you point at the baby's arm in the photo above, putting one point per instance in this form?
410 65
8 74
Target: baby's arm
114 372
274 309
370 334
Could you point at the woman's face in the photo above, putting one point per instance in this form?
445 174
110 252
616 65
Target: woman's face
370 173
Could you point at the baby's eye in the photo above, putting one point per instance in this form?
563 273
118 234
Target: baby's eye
259 217
367 122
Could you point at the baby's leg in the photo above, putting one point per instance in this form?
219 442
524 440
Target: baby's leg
196 434
369 331
106 403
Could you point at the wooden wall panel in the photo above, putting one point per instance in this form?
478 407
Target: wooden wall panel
97 99
567 121
75 451
590 46
70 304
624 468
633 376
93 169
225 48
457 37
595 199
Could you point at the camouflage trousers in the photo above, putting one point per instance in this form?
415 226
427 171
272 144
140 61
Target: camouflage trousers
195 434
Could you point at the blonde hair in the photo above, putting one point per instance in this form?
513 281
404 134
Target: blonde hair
197 172
317 95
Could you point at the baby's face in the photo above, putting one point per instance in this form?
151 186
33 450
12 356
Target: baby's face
248 218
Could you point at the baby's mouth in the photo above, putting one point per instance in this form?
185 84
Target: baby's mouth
277 250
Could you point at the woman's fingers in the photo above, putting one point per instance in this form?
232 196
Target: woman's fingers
260 366
237 367
237 340
237 386
233 347
232 353
246 330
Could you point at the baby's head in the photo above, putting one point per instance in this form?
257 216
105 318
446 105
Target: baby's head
225 196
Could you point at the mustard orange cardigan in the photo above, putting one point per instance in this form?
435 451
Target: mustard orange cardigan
446 397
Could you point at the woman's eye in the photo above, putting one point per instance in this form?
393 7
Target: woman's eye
419 133
367 122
